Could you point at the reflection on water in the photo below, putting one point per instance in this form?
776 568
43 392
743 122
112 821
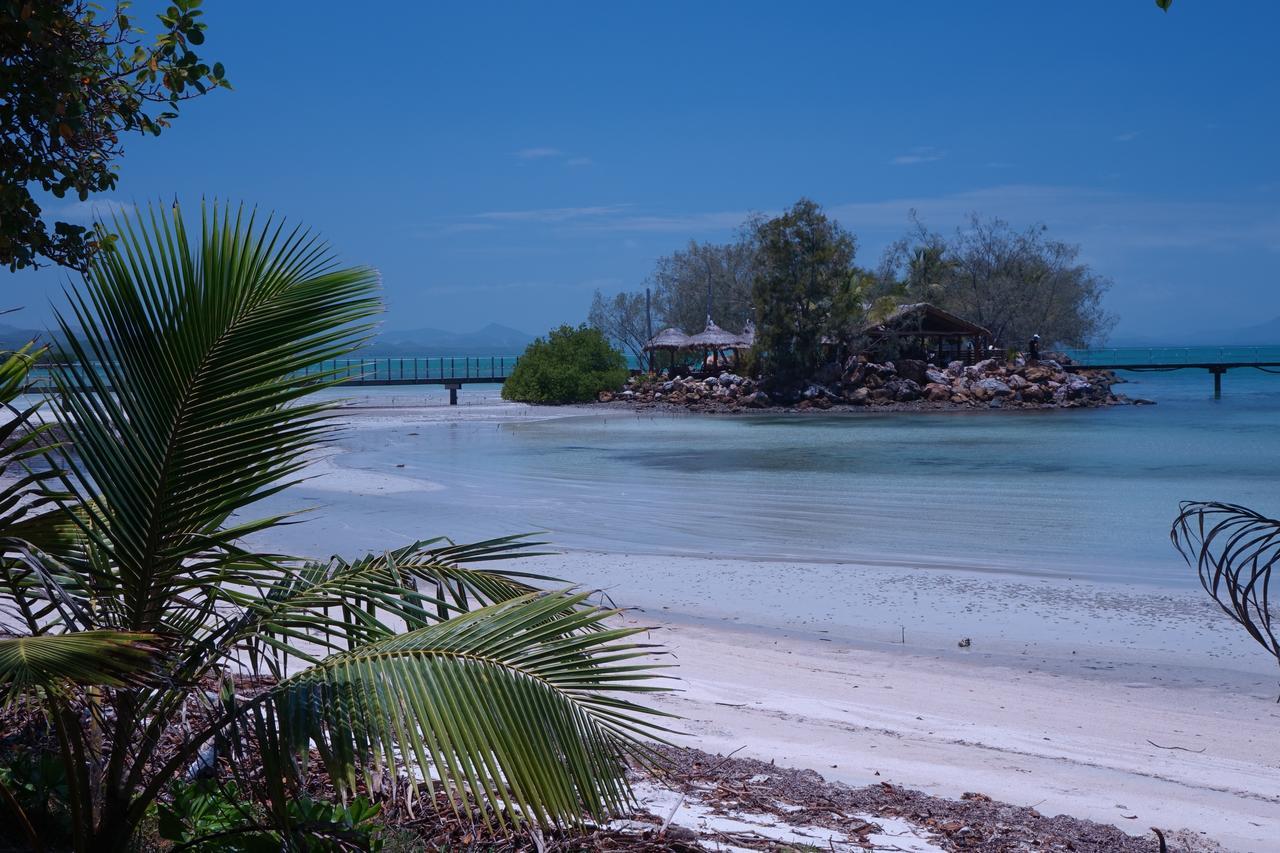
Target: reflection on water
1086 493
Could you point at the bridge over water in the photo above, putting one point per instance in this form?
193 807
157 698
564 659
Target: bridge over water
1216 360
453 372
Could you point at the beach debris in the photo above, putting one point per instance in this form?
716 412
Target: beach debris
965 643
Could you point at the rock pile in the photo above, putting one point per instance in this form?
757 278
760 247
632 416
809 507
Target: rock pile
907 383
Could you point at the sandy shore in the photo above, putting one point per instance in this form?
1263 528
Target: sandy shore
1133 705
1064 744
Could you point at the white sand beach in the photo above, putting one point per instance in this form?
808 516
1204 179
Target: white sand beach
1129 754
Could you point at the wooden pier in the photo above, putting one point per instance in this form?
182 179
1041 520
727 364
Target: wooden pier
1215 368
448 371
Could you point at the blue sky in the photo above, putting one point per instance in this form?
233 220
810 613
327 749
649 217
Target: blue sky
500 161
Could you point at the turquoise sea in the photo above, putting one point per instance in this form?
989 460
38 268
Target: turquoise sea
1087 494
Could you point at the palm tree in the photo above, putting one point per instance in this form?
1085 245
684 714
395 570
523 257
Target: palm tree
1235 551
184 400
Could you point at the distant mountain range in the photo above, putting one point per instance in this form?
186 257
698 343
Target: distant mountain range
493 339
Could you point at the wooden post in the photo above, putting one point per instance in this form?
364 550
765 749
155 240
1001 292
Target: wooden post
1217 381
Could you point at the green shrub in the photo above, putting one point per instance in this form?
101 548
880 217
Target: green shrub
568 366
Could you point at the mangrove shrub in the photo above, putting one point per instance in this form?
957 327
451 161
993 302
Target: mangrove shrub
570 365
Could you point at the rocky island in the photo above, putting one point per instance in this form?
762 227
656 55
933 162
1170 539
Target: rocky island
893 385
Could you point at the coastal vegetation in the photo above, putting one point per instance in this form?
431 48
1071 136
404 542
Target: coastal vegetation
794 280
570 365
158 647
76 77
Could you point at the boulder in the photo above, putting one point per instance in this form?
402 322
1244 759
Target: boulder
955 368
605 396
906 391
1033 394
1017 383
994 387
913 369
858 396
935 376
937 392
756 400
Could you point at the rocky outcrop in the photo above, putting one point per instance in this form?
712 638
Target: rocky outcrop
908 384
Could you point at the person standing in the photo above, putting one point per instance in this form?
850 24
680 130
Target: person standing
1033 348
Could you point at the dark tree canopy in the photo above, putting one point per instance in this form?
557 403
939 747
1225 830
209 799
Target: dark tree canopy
76 77
803 259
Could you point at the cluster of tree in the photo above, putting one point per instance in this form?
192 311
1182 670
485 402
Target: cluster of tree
1016 283
75 77
794 275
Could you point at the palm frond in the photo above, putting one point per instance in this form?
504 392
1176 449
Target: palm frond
181 394
101 658
1235 551
520 704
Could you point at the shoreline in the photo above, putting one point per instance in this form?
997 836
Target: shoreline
1133 758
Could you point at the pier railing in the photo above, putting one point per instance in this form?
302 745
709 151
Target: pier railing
1175 355
394 370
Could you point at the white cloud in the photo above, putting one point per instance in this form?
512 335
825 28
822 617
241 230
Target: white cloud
1103 221
918 155
93 208
579 161
1128 136
538 153
552 214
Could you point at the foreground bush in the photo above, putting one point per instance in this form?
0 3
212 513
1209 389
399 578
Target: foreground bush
568 366
155 642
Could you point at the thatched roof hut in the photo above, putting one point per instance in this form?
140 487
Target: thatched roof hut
668 339
926 331
714 337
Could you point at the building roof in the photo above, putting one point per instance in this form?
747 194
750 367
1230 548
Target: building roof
715 337
921 318
669 338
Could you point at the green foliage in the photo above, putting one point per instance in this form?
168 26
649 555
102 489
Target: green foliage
75 77
802 261
682 279
219 818
1016 283
196 408
570 365
34 796
1164 4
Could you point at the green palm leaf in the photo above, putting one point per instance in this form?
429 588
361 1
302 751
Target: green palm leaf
520 704
181 397
102 658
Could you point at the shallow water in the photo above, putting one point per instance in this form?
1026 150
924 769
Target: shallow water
1088 494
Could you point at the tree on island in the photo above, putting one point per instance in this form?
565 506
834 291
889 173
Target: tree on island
683 280
803 259
622 319
1017 283
569 365
75 78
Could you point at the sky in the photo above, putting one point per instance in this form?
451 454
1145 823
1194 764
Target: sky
499 162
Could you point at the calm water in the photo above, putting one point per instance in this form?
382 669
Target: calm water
1088 494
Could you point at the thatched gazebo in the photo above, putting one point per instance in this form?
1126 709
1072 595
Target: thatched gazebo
713 340
670 339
